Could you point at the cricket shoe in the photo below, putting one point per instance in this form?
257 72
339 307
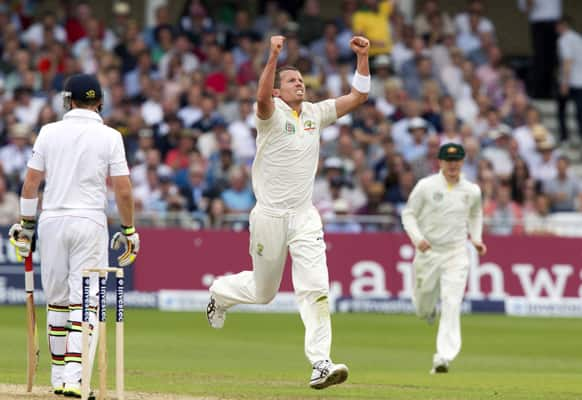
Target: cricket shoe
215 314
439 369
74 390
325 373
431 318
58 390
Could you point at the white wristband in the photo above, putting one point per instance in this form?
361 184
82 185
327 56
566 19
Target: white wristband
28 207
361 83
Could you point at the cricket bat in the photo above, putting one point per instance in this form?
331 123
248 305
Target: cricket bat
32 331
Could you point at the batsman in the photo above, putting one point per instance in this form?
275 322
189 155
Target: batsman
74 156
284 218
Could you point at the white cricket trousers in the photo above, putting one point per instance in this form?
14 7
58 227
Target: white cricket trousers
68 245
271 236
444 272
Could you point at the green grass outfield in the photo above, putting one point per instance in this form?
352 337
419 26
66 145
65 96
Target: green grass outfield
260 356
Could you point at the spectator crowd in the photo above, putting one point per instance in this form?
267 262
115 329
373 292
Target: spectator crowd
181 92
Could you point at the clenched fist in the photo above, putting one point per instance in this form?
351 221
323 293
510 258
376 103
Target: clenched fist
360 45
277 44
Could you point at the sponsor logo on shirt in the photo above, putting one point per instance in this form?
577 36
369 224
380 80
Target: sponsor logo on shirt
260 249
309 126
289 128
437 196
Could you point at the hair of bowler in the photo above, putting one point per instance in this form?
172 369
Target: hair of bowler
278 74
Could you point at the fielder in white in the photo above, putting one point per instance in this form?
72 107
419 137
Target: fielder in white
284 219
443 209
74 156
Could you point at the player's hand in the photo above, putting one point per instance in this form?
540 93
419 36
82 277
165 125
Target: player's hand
481 248
22 237
277 44
360 45
423 246
129 238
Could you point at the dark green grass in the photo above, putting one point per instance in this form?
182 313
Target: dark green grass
260 356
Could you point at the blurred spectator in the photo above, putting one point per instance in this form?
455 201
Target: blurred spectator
179 157
390 102
372 22
429 9
417 147
398 194
498 152
503 216
543 165
152 161
238 198
542 15
537 221
195 193
9 205
570 78
342 221
216 214
429 164
519 179
15 155
380 75
243 133
35 35
311 22
563 190
524 135
470 24
472 157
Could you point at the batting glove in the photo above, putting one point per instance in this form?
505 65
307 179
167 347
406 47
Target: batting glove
22 237
129 238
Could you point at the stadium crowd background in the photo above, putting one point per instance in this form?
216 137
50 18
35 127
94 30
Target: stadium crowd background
181 91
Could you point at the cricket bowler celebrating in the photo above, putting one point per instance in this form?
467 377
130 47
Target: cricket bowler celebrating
74 156
284 218
441 211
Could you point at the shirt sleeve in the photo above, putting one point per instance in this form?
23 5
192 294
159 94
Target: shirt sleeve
117 161
327 112
37 160
265 125
476 218
411 212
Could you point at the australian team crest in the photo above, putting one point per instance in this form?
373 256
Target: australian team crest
289 128
437 196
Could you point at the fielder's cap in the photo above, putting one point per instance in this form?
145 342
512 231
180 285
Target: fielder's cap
451 152
416 123
84 87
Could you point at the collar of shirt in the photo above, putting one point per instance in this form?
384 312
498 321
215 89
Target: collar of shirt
284 106
82 113
448 185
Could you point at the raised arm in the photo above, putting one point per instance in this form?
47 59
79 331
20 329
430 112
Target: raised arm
361 82
265 106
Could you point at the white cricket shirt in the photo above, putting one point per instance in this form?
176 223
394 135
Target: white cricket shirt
77 154
288 153
443 214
